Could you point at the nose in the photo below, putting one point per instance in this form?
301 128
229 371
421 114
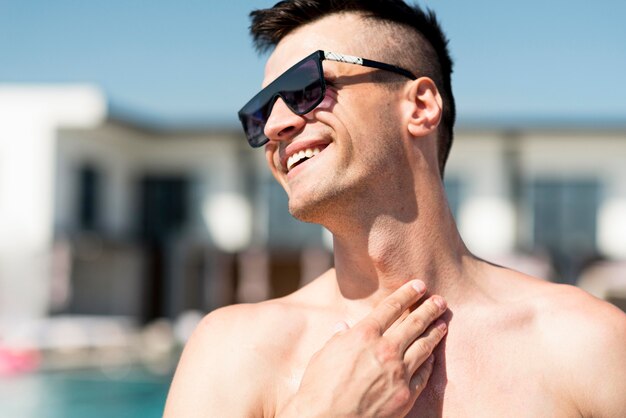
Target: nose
282 123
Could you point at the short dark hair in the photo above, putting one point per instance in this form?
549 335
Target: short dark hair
430 54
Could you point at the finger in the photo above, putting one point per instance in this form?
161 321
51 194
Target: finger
416 322
422 348
401 318
420 378
393 305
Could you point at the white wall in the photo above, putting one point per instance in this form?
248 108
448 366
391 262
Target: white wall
124 154
486 217
29 119
597 155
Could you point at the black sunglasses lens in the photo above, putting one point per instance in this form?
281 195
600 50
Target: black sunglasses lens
253 117
301 88
254 125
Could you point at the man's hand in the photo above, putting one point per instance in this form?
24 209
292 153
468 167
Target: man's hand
379 367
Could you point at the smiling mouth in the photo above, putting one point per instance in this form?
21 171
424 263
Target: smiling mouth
302 156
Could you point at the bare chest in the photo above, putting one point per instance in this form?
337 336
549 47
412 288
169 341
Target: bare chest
491 372
485 383
475 376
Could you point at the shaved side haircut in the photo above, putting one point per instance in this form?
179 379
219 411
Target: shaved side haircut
410 37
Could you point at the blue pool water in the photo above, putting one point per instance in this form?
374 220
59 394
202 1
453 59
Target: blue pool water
84 393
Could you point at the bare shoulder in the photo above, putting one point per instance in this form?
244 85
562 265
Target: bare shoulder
584 344
567 315
227 366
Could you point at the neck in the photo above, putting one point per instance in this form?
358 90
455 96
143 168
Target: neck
375 256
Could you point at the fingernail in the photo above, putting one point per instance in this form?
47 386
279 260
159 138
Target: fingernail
442 325
431 359
419 286
440 302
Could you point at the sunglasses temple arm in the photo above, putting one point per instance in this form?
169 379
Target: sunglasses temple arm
388 67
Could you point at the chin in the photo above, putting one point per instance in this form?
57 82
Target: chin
317 208
310 213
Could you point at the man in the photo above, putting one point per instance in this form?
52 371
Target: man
360 146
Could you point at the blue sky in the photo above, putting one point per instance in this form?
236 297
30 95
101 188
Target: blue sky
192 61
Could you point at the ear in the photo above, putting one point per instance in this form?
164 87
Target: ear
423 107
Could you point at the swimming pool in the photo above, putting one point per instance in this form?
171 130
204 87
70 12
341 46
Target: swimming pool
92 393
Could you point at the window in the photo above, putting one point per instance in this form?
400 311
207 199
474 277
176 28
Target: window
163 206
564 214
89 190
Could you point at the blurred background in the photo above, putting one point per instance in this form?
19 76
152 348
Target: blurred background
131 204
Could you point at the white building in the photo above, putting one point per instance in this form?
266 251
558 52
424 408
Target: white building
102 214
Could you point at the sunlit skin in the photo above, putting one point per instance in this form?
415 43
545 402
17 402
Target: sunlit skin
515 345
360 186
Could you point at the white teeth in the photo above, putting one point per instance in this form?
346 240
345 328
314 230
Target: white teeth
298 156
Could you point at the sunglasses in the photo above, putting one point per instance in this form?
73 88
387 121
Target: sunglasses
302 87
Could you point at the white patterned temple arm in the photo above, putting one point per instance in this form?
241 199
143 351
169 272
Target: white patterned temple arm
350 59
333 56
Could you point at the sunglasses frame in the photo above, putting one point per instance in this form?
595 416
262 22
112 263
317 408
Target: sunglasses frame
273 92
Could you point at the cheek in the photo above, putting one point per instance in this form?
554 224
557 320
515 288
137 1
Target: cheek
273 162
271 156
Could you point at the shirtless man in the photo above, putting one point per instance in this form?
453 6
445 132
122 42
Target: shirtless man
357 341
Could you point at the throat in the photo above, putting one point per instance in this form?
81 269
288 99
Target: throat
391 255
